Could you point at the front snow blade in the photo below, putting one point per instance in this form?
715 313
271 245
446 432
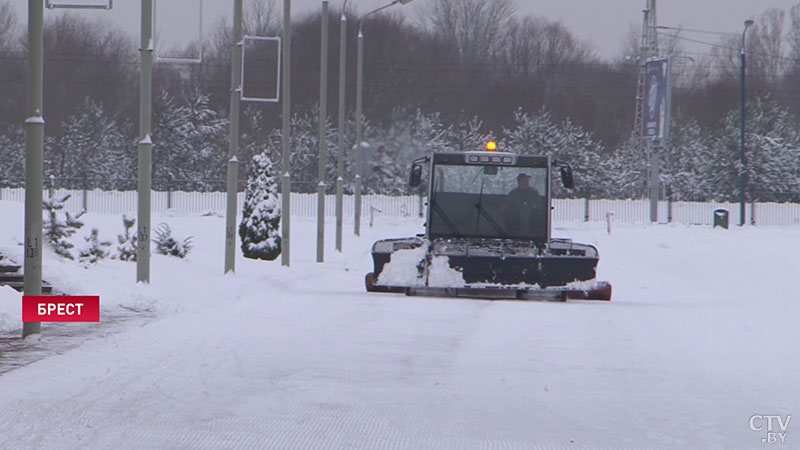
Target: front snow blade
490 293
369 283
600 291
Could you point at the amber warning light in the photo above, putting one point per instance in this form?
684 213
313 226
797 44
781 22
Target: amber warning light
60 308
491 146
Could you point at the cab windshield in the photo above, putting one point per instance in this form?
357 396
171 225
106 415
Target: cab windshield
489 202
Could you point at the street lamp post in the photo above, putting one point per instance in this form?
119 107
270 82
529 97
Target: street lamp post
743 170
323 122
359 94
340 131
231 204
34 160
286 111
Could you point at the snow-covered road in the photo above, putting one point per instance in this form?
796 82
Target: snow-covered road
698 338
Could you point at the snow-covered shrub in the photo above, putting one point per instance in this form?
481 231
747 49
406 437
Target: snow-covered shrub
126 251
58 228
95 251
261 217
168 245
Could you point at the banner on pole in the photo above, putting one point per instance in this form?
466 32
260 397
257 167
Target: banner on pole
657 95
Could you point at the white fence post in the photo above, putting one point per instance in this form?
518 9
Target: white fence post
372 211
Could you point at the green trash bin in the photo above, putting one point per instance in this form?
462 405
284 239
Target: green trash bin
721 218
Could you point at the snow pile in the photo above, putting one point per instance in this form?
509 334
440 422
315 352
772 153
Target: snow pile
10 308
404 268
441 274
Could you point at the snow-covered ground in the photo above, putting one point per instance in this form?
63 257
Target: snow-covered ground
700 336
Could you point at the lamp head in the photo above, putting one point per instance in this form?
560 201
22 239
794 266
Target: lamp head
747 23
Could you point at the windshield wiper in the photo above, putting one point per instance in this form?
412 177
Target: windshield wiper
491 220
444 217
482 212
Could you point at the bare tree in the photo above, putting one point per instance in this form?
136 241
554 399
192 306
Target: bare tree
472 28
262 18
8 26
793 35
765 47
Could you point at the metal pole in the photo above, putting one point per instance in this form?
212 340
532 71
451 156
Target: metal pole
340 162
359 89
743 169
654 184
233 145
145 143
286 111
322 139
34 160
743 160
359 93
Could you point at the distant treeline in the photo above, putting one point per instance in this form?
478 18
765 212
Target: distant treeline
460 62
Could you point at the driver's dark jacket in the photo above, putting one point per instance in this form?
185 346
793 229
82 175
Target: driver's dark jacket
520 202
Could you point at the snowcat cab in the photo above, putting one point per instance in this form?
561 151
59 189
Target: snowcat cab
488 234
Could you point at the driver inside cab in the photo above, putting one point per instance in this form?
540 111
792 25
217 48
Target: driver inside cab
521 208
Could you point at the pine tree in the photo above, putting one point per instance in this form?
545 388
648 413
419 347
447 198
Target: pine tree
207 135
565 142
410 136
91 147
12 157
126 250
686 159
172 129
259 230
57 229
466 135
627 168
772 155
167 245
532 135
95 251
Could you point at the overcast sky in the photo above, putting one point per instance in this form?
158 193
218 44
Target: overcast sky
602 22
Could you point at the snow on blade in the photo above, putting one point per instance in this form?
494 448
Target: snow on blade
442 275
403 268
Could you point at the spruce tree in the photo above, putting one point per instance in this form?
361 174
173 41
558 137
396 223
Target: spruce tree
259 230
95 251
57 228
127 242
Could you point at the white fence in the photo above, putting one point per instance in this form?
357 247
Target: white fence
305 205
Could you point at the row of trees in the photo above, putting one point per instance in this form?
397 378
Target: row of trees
190 151
465 71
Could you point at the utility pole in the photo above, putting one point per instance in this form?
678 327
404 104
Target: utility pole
145 143
233 146
648 49
34 160
286 109
340 162
359 138
322 139
743 160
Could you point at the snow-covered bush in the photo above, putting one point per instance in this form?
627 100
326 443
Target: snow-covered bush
95 250
259 230
57 227
126 251
168 245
